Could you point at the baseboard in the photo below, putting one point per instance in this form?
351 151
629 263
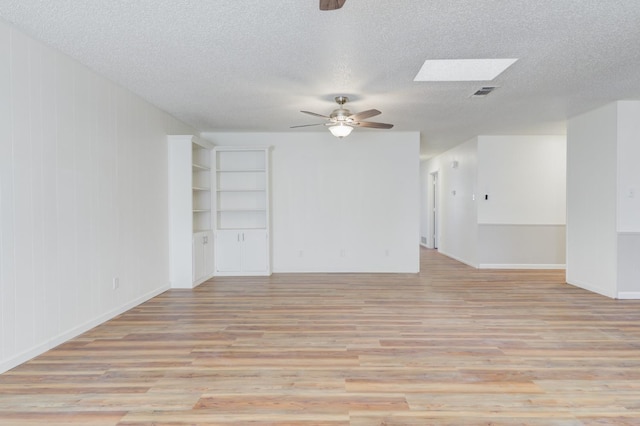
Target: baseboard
521 266
458 259
201 280
76 331
628 295
591 288
345 271
241 274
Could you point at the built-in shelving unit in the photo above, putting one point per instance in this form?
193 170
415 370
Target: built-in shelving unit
201 187
241 221
190 210
241 189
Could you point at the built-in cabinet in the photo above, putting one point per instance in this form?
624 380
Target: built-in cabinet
202 249
241 219
191 211
242 251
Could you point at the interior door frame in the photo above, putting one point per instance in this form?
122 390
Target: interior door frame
435 208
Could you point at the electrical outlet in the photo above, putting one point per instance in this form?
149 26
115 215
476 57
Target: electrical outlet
116 283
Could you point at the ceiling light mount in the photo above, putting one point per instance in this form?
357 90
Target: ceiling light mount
331 4
341 100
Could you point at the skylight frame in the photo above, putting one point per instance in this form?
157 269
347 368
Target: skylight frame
436 70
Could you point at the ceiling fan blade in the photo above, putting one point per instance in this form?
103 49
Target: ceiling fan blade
364 114
373 125
306 125
315 114
331 4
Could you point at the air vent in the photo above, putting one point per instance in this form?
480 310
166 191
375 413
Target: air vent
483 92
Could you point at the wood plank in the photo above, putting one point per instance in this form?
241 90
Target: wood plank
451 345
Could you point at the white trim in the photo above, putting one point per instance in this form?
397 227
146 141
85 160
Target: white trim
522 266
458 259
337 271
592 288
520 224
203 279
221 148
76 331
627 295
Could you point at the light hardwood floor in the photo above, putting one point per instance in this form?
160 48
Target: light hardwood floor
449 346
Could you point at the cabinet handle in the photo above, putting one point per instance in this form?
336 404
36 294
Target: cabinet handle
243 236
238 237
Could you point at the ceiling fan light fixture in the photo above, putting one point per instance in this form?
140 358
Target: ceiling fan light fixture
340 130
341 121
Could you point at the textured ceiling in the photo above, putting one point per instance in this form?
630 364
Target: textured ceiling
252 65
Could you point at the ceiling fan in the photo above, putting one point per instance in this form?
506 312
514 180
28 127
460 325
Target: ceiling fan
341 121
331 4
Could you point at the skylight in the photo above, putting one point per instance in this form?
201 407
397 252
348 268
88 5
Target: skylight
462 69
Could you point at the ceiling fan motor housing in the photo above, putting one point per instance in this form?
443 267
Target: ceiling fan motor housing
341 114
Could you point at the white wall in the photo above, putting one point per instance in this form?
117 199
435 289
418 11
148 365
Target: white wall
524 179
521 223
628 266
341 205
83 198
628 208
457 222
458 231
522 201
603 210
591 200
628 217
426 202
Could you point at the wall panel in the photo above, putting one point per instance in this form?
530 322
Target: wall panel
83 198
341 205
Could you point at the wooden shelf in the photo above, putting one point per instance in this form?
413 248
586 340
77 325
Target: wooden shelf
241 190
200 168
241 170
224 228
241 210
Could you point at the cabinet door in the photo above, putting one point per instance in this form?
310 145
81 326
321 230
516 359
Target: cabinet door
228 251
208 253
198 255
255 251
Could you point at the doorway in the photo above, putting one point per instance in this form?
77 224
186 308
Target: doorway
434 211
